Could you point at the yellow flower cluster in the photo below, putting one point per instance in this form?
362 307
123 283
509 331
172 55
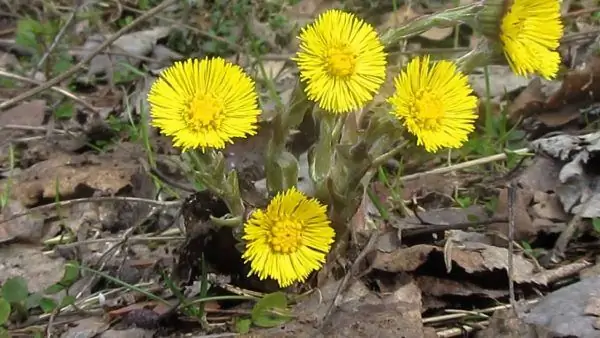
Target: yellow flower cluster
208 103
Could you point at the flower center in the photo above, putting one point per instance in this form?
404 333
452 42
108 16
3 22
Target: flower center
204 112
428 109
286 236
341 61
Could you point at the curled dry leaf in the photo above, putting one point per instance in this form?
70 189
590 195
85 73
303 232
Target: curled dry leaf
470 256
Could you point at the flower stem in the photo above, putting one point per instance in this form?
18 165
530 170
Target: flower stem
380 160
447 18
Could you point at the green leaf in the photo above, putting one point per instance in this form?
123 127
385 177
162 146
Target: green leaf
33 301
4 333
242 325
4 311
15 290
69 277
271 310
47 304
596 224
67 300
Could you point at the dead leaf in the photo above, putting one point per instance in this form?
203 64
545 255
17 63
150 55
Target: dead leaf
88 327
577 181
40 270
72 176
503 81
528 102
581 84
29 228
374 316
470 256
140 43
523 224
445 287
562 312
26 114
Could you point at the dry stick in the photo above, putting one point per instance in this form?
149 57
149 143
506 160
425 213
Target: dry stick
560 246
69 203
353 272
512 192
9 103
57 38
54 88
463 165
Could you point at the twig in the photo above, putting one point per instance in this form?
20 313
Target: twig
57 38
54 88
352 272
56 80
69 203
560 246
31 128
463 165
462 315
512 193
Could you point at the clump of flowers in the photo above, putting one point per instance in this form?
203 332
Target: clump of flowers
341 60
289 239
204 103
435 103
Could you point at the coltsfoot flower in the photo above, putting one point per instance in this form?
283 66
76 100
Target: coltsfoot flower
435 103
289 239
530 32
341 60
204 103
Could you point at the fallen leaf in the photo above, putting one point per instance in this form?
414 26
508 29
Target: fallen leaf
140 43
562 312
28 114
73 176
528 102
524 230
438 287
470 256
581 84
27 261
502 81
28 228
577 178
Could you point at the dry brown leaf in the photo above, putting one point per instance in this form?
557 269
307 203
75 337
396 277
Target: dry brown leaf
523 222
26 114
445 287
73 175
28 228
470 256
578 85
528 102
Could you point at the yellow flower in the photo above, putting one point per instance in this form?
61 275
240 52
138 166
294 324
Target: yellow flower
341 60
530 34
289 239
204 103
435 103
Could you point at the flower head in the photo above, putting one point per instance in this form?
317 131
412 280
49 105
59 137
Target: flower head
435 103
530 32
289 239
204 103
341 60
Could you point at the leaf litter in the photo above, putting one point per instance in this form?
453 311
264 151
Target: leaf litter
421 266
